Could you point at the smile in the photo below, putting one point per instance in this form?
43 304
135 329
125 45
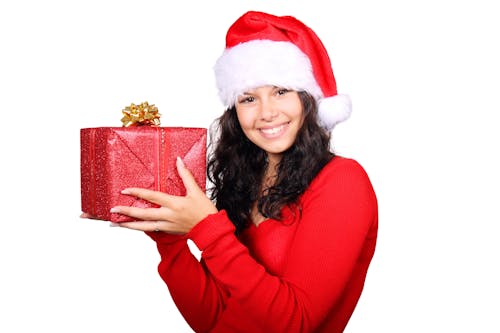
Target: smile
273 131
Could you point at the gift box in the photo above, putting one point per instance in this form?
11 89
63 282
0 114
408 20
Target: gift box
115 158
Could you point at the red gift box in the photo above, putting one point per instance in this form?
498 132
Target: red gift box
114 158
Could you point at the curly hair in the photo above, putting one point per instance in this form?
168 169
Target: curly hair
236 166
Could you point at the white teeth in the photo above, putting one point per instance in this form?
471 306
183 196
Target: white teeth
273 130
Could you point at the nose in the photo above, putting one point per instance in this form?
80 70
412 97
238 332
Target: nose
268 110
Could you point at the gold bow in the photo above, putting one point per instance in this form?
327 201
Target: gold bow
141 115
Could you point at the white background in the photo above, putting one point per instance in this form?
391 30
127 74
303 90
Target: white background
424 80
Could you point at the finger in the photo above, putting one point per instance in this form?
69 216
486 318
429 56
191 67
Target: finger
152 226
156 197
144 214
145 225
187 177
88 216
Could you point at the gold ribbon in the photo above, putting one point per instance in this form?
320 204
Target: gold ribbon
141 115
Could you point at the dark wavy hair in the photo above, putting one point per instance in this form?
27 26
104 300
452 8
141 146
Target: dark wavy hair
236 166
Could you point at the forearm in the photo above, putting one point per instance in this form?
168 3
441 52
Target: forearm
269 300
192 288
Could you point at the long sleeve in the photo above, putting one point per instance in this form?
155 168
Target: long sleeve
191 286
326 264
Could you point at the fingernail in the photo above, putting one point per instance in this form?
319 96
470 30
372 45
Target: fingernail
114 210
180 161
112 224
125 191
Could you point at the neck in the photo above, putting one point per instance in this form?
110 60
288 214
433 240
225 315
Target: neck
273 161
269 179
271 172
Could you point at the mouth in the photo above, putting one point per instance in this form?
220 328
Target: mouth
272 132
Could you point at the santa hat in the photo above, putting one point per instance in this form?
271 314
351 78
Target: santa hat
263 49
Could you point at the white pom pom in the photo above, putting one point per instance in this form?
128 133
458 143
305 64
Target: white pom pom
333 110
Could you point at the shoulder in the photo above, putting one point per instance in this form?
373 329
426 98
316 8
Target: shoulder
343 178
341 198
342 168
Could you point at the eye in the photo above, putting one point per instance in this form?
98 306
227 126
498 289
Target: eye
246 99
282 91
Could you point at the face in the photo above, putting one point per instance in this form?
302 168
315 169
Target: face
271 118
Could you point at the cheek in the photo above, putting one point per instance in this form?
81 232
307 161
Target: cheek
295 110
244 119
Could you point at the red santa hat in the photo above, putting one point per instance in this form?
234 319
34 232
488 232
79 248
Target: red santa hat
263 49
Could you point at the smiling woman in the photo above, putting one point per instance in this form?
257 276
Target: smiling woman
290 229
270 117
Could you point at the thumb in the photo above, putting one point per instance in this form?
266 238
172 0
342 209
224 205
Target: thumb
187 177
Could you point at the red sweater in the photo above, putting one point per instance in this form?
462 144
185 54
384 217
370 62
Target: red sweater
302 274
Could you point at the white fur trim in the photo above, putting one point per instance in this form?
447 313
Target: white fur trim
263 62
333 110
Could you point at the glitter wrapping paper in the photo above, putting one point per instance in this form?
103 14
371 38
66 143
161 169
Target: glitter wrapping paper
114 158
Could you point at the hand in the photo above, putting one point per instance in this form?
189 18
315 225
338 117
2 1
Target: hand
176 214
88 216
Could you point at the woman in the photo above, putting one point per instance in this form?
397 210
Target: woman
290 229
